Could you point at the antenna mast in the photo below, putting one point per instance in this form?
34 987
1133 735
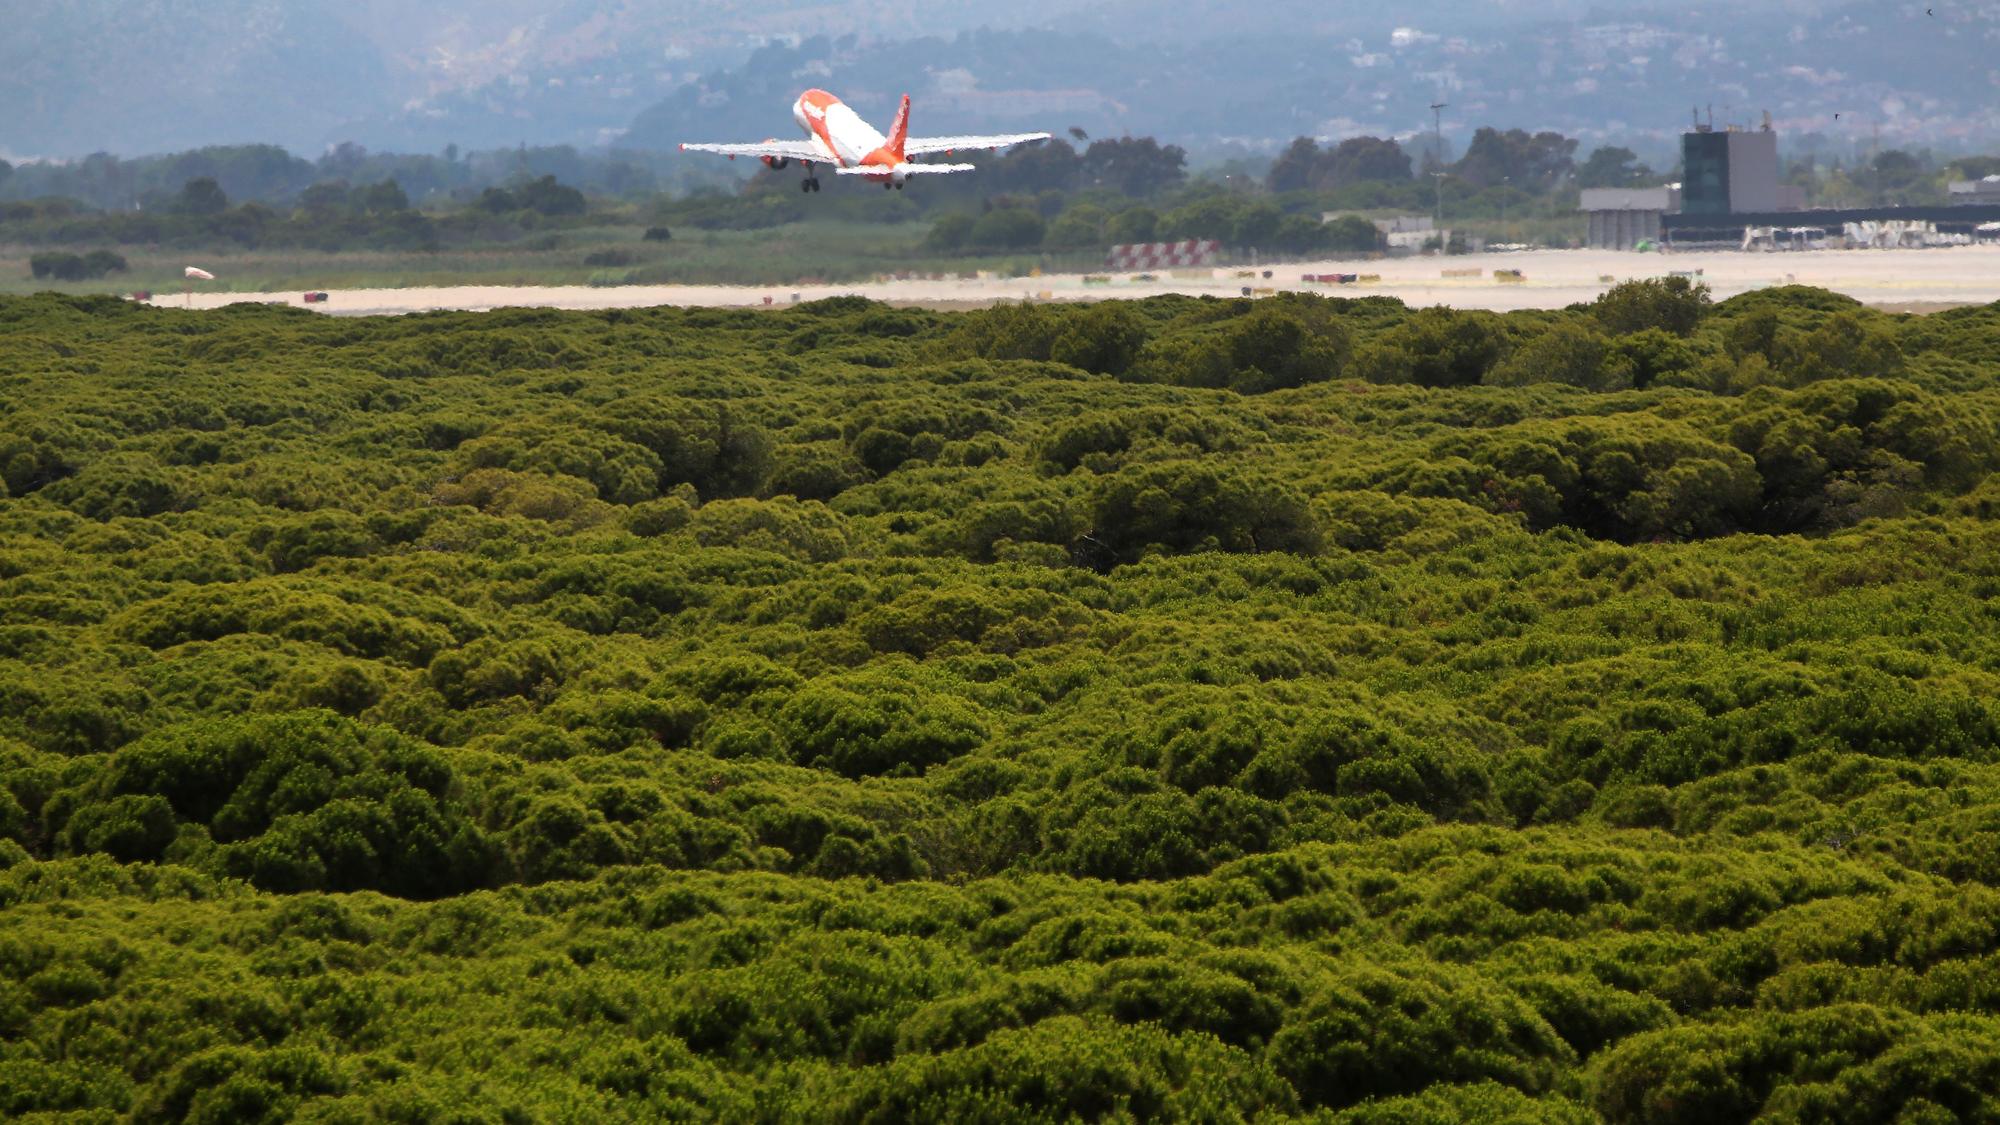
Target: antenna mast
1437 170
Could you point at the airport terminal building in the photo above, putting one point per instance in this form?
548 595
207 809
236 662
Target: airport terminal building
1731 194
1725 173
1621 218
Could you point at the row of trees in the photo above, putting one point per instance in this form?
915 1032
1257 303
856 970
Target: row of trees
332 215
1535 163
1541 163
1053 185
59 266
270 175
333 198
1500 171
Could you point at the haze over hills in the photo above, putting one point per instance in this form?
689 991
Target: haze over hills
78 76
85 75
1251 77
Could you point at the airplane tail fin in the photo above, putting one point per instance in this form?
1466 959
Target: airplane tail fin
900 131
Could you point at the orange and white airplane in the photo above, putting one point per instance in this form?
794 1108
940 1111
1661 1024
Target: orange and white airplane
838 136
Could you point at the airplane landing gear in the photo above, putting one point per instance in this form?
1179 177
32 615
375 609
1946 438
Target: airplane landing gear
811 182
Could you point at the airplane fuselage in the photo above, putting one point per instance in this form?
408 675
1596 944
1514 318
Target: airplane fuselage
838 136
842 136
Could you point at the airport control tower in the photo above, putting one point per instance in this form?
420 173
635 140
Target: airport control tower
1730 187
1732 171
1725 172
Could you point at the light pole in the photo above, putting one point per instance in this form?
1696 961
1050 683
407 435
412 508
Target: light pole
1437 160
1437 217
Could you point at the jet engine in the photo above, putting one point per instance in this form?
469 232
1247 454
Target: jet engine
774 163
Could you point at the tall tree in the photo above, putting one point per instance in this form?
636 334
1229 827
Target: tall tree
1359 159
321 198
202 196
1134 165
1899 177
1612 166
1975 167
549 197
1532 162
1051 166
1355 160
384 198
1296 168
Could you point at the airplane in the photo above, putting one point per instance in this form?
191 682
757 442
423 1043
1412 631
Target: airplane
838 136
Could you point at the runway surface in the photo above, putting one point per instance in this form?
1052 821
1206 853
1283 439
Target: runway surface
1914 279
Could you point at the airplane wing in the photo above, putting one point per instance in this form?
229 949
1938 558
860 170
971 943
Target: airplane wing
905 169
918 146
789 150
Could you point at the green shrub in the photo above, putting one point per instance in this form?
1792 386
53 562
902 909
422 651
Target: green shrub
1377 1033
300 802
1190 506
1675 305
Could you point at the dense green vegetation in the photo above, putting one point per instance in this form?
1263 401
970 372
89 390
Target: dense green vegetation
1181 709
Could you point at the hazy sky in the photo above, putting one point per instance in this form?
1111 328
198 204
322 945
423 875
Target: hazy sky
137 76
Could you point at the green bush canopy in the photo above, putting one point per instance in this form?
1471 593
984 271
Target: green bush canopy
1188 709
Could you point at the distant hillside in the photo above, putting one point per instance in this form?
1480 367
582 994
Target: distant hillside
142 76
78 76
1631 78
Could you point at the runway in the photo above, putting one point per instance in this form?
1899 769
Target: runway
1916 279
